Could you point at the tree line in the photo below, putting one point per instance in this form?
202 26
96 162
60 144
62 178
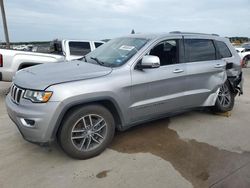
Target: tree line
239 40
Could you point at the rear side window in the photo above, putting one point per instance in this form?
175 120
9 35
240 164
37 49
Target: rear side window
79 48
97 44
223 50
199 50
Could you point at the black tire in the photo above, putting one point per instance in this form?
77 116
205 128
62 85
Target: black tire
79 120
225 99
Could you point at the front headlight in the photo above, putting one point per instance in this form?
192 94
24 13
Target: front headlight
38 96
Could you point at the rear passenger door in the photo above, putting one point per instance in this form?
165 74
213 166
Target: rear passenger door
205 71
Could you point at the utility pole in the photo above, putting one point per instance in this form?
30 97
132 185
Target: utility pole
5 25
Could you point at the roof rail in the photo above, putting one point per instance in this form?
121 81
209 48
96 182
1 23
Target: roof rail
179 32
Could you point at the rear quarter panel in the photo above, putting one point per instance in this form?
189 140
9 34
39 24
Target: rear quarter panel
235 59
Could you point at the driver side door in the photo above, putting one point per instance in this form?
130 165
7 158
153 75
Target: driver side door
158 91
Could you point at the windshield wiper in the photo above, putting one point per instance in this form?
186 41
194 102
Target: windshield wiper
83 57
97 60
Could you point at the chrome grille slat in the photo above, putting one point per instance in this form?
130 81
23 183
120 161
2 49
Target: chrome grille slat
16 93
12 90
22 94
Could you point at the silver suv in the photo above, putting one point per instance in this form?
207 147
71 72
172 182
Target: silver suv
125 82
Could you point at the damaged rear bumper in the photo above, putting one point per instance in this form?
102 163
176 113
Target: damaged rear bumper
237 83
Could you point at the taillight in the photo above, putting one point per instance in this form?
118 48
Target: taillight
1 60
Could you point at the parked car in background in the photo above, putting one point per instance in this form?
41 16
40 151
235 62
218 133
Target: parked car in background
239 49
73 49
127 81
246 45
244 53
65 50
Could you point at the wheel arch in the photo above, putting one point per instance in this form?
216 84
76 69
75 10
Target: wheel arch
244 62
247 55
110 104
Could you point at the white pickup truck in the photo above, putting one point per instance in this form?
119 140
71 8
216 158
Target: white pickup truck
65 50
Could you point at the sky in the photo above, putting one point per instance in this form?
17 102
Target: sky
42 20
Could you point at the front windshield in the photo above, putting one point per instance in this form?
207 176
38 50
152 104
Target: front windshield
116 52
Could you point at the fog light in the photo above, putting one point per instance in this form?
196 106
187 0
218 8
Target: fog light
28 122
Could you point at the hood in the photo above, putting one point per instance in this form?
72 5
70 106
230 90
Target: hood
39 77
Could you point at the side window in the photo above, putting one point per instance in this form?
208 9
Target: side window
79 48
166 51
223 50
97 44
199 50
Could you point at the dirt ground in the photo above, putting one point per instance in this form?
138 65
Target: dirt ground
194 149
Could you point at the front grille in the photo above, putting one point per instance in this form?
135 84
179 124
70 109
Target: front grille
16 93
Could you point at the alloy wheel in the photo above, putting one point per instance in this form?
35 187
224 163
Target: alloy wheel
89 132
224 96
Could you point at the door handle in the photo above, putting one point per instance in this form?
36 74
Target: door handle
218 65
178 71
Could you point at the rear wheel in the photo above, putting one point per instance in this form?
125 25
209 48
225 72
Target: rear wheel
225 99
86 131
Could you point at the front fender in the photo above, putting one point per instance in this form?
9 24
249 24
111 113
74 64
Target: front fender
75 102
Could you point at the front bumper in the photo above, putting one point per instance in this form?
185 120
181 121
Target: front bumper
44 117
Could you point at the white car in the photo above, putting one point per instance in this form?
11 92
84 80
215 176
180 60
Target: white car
244 53
239 49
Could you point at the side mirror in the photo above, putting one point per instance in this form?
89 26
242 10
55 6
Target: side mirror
149 62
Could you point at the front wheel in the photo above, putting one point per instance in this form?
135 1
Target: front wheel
225 99
86 131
